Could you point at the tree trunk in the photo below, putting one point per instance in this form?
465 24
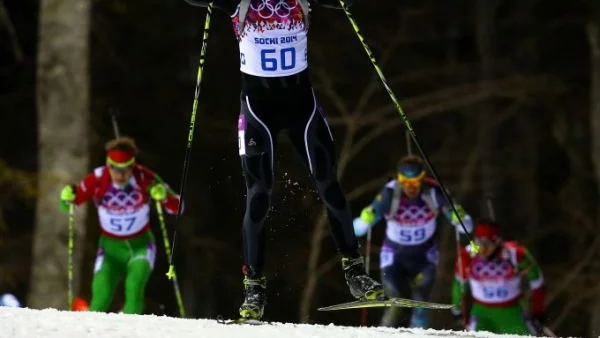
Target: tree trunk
593 31
63 115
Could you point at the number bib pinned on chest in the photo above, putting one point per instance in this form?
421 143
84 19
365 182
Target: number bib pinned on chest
494 282
273 41
123 212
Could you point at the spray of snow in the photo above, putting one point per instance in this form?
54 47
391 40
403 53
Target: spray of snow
50 323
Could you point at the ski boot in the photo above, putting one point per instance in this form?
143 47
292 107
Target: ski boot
361 285
255 298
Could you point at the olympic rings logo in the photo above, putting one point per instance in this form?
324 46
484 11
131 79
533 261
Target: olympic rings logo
122 199
282 9
414 213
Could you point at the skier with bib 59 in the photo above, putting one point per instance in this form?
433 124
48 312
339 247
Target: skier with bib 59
122 191
277 95
494 282
410 204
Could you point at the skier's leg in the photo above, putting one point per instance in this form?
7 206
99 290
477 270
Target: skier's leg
421 290
313 141
312 138
481 319
395 283
256 149
107 272
510 320
139 269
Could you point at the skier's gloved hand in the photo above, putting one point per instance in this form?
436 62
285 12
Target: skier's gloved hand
456 217
158 192
360 227
67 196
367 215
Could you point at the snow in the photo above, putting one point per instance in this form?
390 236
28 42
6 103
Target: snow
50 323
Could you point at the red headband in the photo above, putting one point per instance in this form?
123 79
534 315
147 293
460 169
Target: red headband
484 230
121 157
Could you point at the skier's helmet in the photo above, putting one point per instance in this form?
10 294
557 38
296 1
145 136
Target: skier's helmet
410 171
9 300
487 231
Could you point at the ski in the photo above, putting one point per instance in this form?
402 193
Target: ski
239 321
391 302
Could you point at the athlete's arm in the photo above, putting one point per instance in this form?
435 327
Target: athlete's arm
453 217
532 270
171 202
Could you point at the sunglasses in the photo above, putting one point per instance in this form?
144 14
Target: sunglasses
411 181
121 169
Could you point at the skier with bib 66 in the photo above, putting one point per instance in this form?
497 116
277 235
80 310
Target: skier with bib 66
277 95
410 204
493 279
122 191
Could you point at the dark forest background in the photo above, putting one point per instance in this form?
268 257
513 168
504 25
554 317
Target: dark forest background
504 96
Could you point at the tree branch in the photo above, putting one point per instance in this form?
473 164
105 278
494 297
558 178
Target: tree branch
12 35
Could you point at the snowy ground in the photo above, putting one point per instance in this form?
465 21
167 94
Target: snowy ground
27 323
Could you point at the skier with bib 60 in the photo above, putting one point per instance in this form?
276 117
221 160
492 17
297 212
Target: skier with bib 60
410 204
277 95
493 279
122 191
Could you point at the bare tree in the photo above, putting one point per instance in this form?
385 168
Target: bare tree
63 116
593 30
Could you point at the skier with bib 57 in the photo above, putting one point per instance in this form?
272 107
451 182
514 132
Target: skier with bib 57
277 95
410 204
122 191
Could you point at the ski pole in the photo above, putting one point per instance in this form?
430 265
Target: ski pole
408 143
363 314
405 119
188 148
70 255
163 229
113 117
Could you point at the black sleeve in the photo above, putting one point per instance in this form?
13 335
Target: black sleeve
228 6
335 4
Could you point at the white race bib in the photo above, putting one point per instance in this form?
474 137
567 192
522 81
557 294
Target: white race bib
495 291
410 234
273 53
124 224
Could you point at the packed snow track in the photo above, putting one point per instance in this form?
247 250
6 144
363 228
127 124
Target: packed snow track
49 323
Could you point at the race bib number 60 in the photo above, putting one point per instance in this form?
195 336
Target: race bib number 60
271 54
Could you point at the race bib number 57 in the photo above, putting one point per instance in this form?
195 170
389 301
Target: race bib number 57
124 224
